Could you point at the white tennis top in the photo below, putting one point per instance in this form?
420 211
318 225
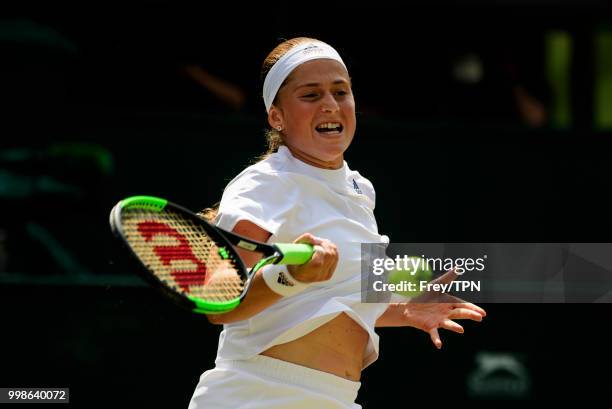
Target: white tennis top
288 197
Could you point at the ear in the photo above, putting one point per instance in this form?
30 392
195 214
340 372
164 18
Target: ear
275 117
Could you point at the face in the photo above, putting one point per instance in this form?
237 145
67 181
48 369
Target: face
316 110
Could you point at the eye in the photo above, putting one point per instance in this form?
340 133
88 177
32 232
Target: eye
309 95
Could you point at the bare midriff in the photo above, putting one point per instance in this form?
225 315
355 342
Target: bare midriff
337 347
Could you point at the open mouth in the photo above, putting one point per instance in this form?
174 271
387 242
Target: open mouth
329 128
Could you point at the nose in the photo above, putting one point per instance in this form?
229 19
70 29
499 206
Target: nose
329 103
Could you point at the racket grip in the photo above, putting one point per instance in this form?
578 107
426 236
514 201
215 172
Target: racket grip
295 253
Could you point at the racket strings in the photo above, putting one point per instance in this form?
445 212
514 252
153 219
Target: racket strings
182 254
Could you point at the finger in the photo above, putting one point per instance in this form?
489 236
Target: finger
331 257
446 278
329 268
329 246
435 338
309 239
465 313
452 326
333 267
318 258
471 306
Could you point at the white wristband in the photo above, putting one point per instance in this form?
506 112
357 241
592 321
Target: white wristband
279 280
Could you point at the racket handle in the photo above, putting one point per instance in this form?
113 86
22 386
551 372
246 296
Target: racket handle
295 253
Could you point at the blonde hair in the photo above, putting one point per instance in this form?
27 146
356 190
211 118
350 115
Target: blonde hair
274 138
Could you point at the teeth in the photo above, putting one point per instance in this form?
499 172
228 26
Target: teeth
329 125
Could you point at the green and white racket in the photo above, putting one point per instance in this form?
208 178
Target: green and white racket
191 260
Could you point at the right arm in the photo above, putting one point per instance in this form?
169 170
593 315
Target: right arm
259 297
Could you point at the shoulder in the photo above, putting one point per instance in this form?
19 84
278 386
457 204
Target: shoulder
260 194
270 171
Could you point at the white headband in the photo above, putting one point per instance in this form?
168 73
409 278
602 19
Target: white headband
290 60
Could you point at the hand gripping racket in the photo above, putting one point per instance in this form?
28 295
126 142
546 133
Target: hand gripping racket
188 258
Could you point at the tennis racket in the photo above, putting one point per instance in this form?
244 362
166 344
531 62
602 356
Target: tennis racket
189 259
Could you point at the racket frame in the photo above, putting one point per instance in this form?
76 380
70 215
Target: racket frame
272 253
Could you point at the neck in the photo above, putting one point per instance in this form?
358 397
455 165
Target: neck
337 163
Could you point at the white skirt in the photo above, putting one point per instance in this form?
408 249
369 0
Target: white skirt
267 383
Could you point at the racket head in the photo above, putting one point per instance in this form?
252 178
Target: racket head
181 254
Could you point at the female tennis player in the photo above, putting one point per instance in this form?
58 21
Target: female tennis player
301 336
